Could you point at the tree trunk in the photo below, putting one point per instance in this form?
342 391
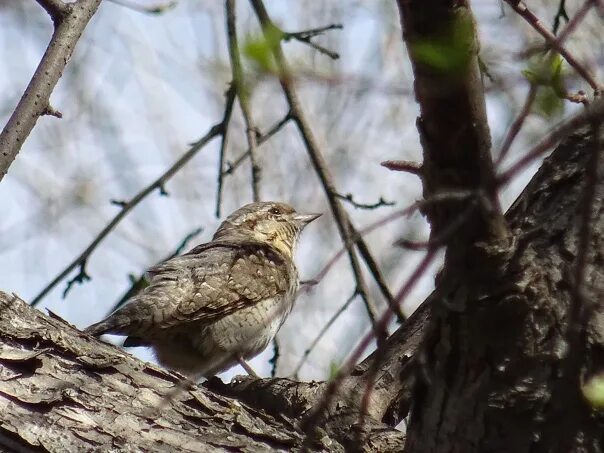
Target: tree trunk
500 368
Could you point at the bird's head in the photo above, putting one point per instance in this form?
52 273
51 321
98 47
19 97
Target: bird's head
277 224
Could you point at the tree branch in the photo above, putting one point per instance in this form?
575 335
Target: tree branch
243 91
523 11
69 19
215 131
318 161
453 127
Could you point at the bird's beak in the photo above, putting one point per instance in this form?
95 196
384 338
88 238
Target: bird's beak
305 219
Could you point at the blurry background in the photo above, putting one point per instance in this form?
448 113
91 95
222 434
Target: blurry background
142 86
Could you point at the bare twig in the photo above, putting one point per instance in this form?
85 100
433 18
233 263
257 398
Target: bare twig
560 14
574 22
306 36
50 111
403 165
232 166
595 111
517 124
323 331
381 202
521 8
215 131
69 19
243 94
230 101
139 283
80 278
318 161
376 272
332 388
275 358
436 198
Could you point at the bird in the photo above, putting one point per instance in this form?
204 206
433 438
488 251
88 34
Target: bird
221 303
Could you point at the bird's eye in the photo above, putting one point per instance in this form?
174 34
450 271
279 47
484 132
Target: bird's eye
275 211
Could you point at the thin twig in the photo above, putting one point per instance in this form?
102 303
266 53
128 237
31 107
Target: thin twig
381 202
215 131
403 165
595 111
275 358
323 331
228 111
139 283
378 277
436 198
560 14
232 166
570 27
70 20
521 8
574 22
317 412
319 163
517 124
243 94
306 36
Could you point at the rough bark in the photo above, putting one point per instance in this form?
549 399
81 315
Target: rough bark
491 365
61 390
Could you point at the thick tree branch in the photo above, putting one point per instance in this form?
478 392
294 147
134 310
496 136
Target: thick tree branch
69 19
453 126
62 390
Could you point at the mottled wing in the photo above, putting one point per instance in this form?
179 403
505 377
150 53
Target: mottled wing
203 285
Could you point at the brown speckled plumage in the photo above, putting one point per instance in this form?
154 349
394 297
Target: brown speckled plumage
222 302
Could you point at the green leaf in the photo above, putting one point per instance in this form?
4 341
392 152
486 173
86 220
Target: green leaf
259 49
593 391
548 103
547 72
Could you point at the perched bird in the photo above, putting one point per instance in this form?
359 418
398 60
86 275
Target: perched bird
224 301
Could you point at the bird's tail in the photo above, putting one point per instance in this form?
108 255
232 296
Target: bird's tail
100 328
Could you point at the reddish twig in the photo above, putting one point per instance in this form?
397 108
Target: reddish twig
403 165
522 10
331 391
594 111
517 124
322 332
